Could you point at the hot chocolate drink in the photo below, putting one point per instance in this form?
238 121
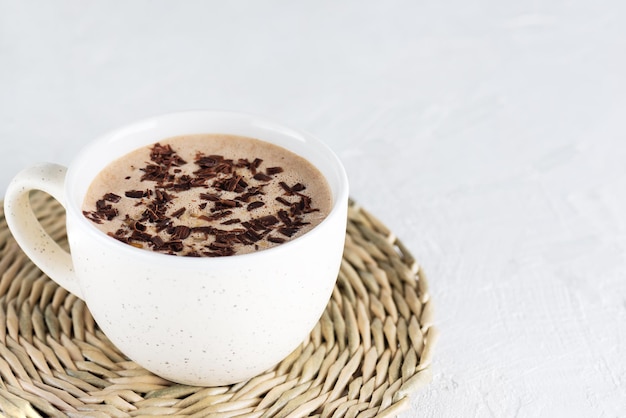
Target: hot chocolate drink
208 195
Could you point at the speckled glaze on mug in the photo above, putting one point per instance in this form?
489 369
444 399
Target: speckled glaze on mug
198 321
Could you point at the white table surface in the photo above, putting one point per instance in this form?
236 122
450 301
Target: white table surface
490 136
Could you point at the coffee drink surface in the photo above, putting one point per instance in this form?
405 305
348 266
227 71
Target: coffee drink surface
208 195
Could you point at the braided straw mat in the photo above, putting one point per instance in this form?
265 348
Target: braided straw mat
370 350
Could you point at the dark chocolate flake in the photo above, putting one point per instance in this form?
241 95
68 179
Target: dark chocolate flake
255 205
157 241
134 194
141 236
275 240
112 197
261 177
163 224
110 213
206 230
205 173
268 220
226 204
217 245
208 162
257 162
92 216
209 196
252 236
298 187
286 188
102 205
215 216
252 191
232 183
179 212
241 185
284 216
138 226
181 232
288 231
283 201
175 246
273 170
256 225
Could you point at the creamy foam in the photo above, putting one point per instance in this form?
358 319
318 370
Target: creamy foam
208 195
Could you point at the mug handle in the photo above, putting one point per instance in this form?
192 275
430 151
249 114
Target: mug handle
36 243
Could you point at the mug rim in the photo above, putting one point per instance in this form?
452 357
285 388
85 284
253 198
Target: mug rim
337 210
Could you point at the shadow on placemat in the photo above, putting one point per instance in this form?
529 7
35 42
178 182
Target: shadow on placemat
370 350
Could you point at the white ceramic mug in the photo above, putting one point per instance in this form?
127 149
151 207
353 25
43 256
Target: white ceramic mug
200 321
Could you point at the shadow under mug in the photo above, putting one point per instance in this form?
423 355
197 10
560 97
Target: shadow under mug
199 321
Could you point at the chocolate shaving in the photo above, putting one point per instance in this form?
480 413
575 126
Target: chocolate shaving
215 216
181 232
288 231
163 224
286 188
206 230
216 245
284 217
270 171
175 246
103 211
157 241
255 225
179 212
112 197
268 220
134 194
162 196
207 162
252 236
102 205
209 196
141 236
226 204
283 201
92 217
252 191
205 174
232 183
138 226
298 187
262 177
254 205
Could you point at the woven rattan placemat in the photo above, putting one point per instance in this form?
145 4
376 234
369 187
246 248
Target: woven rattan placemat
370 350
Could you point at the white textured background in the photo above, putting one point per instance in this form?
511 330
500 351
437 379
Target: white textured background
489 135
